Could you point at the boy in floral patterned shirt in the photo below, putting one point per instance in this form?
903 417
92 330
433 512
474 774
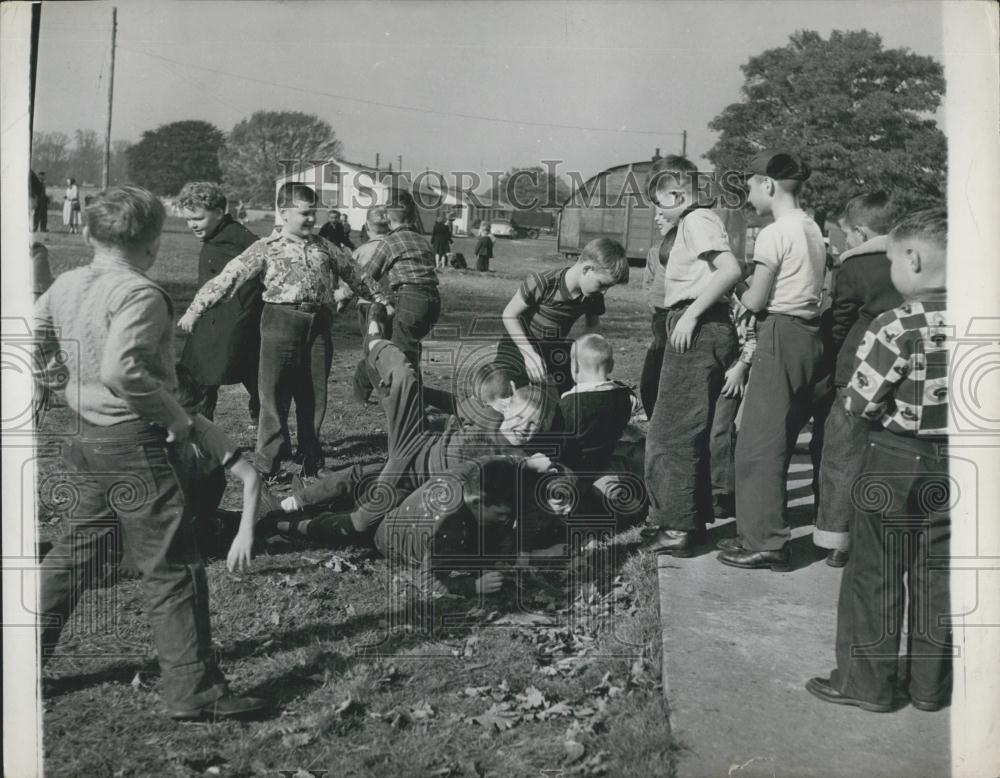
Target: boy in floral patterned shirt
901 525
302 276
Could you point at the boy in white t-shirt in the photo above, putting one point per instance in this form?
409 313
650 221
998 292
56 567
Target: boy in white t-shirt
785 293
700 345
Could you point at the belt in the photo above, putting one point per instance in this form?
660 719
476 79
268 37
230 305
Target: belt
306 307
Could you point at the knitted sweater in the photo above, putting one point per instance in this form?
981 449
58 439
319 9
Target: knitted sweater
106 336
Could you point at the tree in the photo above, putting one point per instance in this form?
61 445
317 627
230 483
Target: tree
528 187
119 162
173 154
860 114
50 154
259 149
87 158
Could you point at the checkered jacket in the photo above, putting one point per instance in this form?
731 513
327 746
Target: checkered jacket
901 370
405 256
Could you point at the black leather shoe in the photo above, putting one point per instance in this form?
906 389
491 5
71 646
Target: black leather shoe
779 561
821 688
729 544
667 541
837 558
226 707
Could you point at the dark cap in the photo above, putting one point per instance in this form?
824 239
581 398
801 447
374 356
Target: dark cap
779 165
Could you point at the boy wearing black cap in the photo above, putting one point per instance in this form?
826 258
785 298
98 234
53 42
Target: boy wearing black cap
785 291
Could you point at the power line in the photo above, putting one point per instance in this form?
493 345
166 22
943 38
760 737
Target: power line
415 109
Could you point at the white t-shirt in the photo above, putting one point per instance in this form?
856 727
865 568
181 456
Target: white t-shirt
793 248
688 271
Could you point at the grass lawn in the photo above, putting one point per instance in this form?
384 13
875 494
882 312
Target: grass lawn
559 675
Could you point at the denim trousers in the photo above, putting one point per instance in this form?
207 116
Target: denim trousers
418 308
844 438
652 364
678 462
778 402
127 473
296 351
900 529
722 454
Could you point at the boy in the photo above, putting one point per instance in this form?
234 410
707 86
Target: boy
404 258
130 427
785 293
699 274
653 284
900 384
377 224
595 412
484 248
542 312
862 291
301 274
414 454
225 346
492 388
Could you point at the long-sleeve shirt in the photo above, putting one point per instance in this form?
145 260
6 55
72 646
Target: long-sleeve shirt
441 537
105 333
405 257
901 374
295 270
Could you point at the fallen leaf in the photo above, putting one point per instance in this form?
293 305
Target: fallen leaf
137 682
297 739
573 751
532 698
348 707
275 618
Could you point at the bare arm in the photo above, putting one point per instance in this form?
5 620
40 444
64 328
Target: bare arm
512 322
241 549
727 273
757 294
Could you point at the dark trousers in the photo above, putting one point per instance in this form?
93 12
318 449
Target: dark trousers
296 350
722 454
778 403
125 473
900 529
678 466
649 379
845 437
371 492
482 263
40 216
418 308
250 382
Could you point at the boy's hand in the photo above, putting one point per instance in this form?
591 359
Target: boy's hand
683 332
187 321
736 378
291 504
534 365
489 583
538 462
240 554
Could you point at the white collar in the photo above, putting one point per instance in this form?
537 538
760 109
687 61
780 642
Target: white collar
593 386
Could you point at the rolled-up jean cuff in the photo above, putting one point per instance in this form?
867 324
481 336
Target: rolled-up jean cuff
835 541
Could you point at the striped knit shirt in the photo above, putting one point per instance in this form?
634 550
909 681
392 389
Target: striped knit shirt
901 371
405 256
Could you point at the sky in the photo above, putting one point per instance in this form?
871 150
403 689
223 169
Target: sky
446 85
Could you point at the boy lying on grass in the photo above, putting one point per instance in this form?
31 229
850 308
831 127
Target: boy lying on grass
348 505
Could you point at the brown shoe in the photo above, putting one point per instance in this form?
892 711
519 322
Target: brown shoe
821 689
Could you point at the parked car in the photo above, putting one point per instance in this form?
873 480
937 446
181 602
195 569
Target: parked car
507 229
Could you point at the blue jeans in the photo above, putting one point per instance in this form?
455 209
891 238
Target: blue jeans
844 438
652 364
296 351
900 529
678 461
126 473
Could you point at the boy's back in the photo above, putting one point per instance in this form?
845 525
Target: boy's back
793 248
593 417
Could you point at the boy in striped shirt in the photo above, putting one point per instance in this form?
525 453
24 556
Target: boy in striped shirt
901 525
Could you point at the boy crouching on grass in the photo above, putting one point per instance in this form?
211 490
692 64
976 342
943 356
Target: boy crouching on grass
542 312
302 274
900 384
114 326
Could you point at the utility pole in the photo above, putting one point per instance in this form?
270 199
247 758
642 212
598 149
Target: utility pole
400 159
376 162
106 175
684 143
